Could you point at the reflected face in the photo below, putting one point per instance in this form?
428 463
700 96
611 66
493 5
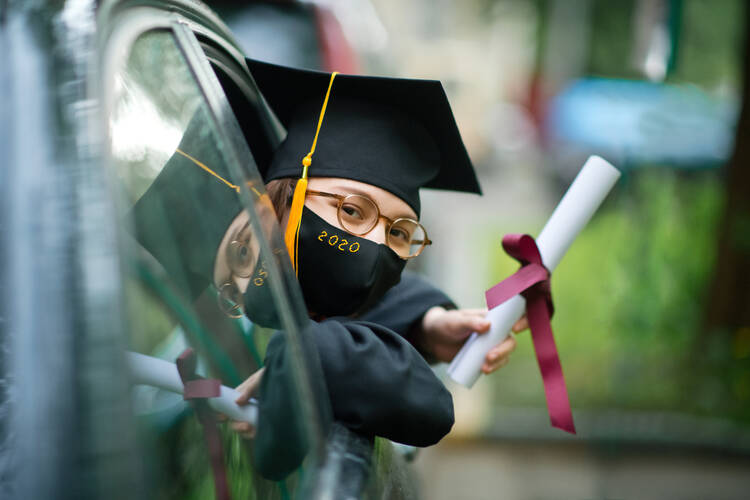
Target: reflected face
237 253
389 204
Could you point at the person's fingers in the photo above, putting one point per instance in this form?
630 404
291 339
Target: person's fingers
469 315
488 368
244 429
241 426
521 325
244 385
248 382
248 387
461 323
474 312
248 435
246 393
479 325
503 349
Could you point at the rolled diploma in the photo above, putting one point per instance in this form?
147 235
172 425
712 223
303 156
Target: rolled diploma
583 198
156 372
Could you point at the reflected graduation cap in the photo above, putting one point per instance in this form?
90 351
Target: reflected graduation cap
184 214
395 133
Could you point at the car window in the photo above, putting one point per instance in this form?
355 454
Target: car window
196 220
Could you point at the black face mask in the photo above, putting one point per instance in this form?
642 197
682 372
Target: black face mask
341 274
260 308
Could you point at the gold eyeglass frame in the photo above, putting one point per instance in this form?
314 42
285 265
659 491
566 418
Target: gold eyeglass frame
342 198
230 297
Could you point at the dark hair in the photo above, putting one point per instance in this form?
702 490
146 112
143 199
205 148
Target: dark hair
280 192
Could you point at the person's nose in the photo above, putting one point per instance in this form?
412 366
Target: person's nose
377 233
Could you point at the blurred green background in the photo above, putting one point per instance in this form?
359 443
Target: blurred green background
634 294
652 301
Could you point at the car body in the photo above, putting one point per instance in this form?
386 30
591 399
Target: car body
96 93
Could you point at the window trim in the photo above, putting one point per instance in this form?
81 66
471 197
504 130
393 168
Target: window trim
127 26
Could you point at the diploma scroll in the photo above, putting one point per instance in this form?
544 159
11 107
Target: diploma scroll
578 205
159 373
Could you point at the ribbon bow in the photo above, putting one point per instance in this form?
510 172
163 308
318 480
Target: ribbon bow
532 282
197 389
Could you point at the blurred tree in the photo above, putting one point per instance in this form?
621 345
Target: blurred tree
729 293
611 39
707 44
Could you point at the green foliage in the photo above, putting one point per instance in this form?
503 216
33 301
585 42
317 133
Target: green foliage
150 323
390 477
710 43
629 298
185 470
611 39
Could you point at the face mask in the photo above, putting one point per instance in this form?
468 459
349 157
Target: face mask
341 274
260 307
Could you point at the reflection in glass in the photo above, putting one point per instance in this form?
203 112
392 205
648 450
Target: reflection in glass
193 247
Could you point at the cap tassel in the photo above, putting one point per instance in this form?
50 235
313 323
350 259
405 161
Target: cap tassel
295 214
291 235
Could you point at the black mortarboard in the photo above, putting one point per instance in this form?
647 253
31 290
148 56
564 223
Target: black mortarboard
183 216
395 133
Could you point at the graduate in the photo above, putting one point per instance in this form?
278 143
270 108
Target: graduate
398 134
345 185
347 177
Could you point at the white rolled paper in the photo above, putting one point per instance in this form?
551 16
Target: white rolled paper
578 205
159 373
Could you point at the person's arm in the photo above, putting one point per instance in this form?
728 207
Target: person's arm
282 439
371 380
404 306
377 383
380 385
430 321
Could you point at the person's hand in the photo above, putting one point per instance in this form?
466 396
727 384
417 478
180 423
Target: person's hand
445 331
499 355
247 389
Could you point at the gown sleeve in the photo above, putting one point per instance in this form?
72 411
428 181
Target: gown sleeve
376 383
402 307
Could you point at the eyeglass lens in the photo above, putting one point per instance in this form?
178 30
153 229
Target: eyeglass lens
406 237
359 214
240 258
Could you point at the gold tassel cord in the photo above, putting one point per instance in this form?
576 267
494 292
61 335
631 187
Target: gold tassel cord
291 235
204 167
200 164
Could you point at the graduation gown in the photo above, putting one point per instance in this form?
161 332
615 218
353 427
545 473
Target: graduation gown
402 307
369 378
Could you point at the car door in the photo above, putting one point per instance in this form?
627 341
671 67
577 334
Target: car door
106 99
171 134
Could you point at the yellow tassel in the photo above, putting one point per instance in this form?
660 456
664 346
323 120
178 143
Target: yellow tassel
291 236
295 217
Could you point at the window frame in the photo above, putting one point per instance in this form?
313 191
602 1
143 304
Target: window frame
125 28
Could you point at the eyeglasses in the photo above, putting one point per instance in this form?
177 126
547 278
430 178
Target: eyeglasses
359 214
241 261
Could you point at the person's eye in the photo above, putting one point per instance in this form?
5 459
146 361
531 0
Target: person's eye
352 211
400 235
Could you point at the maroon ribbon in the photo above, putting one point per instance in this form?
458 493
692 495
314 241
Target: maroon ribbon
532 282
197 389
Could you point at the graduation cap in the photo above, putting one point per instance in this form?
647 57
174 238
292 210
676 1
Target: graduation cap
395 133
184 214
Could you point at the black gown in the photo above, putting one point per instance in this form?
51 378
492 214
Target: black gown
369 378
402 307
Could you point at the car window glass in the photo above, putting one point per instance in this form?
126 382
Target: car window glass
193 230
